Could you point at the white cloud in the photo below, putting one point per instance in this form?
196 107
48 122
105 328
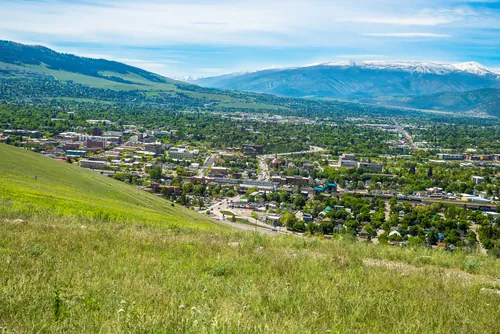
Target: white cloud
418 20
239 22
407 35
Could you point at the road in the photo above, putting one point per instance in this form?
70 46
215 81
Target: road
208 162
407 136
224 205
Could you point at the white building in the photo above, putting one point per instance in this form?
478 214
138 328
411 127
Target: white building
478 179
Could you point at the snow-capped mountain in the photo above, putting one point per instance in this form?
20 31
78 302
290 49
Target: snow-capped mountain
418 67
368 78
474 68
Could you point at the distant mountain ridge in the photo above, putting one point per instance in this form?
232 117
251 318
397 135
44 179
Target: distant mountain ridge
360 79
478 101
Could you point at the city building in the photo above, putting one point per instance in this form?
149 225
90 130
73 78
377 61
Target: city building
446 156
348 161
155 148
276 162
92 164
181 153
370 166
478 179
26 133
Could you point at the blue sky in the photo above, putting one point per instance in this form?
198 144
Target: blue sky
203 38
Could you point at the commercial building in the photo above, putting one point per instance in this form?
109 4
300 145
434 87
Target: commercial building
92 164
181 153
446 156
478 179
370 166
348 161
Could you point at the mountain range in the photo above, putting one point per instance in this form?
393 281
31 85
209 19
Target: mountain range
360 79
30 73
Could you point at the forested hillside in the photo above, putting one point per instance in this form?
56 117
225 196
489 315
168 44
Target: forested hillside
483 100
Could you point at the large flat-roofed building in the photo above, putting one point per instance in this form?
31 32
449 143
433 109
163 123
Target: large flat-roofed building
26 133
348 161
92 164
370 166
180 153
446 156
155 148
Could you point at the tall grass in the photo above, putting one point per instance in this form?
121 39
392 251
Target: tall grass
60 277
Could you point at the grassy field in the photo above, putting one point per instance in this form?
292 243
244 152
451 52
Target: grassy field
66 270
34 185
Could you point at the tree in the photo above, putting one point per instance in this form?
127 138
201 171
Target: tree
155 174
412 170
288 220
452 238
201 203
370 229
299 226
299 201
429 172
432 237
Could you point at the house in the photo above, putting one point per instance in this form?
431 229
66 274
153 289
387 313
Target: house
330 187
273 219
325 211
276 162
307 218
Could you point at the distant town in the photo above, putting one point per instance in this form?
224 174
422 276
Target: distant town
286 192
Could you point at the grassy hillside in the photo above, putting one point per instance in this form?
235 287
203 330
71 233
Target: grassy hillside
34 185
67 270
36 55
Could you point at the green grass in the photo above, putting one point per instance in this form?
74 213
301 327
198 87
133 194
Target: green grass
227 213
31 184
107 278
149 267
102 83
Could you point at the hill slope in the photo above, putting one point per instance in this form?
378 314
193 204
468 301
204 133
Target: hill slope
44 58
34 185
359 79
